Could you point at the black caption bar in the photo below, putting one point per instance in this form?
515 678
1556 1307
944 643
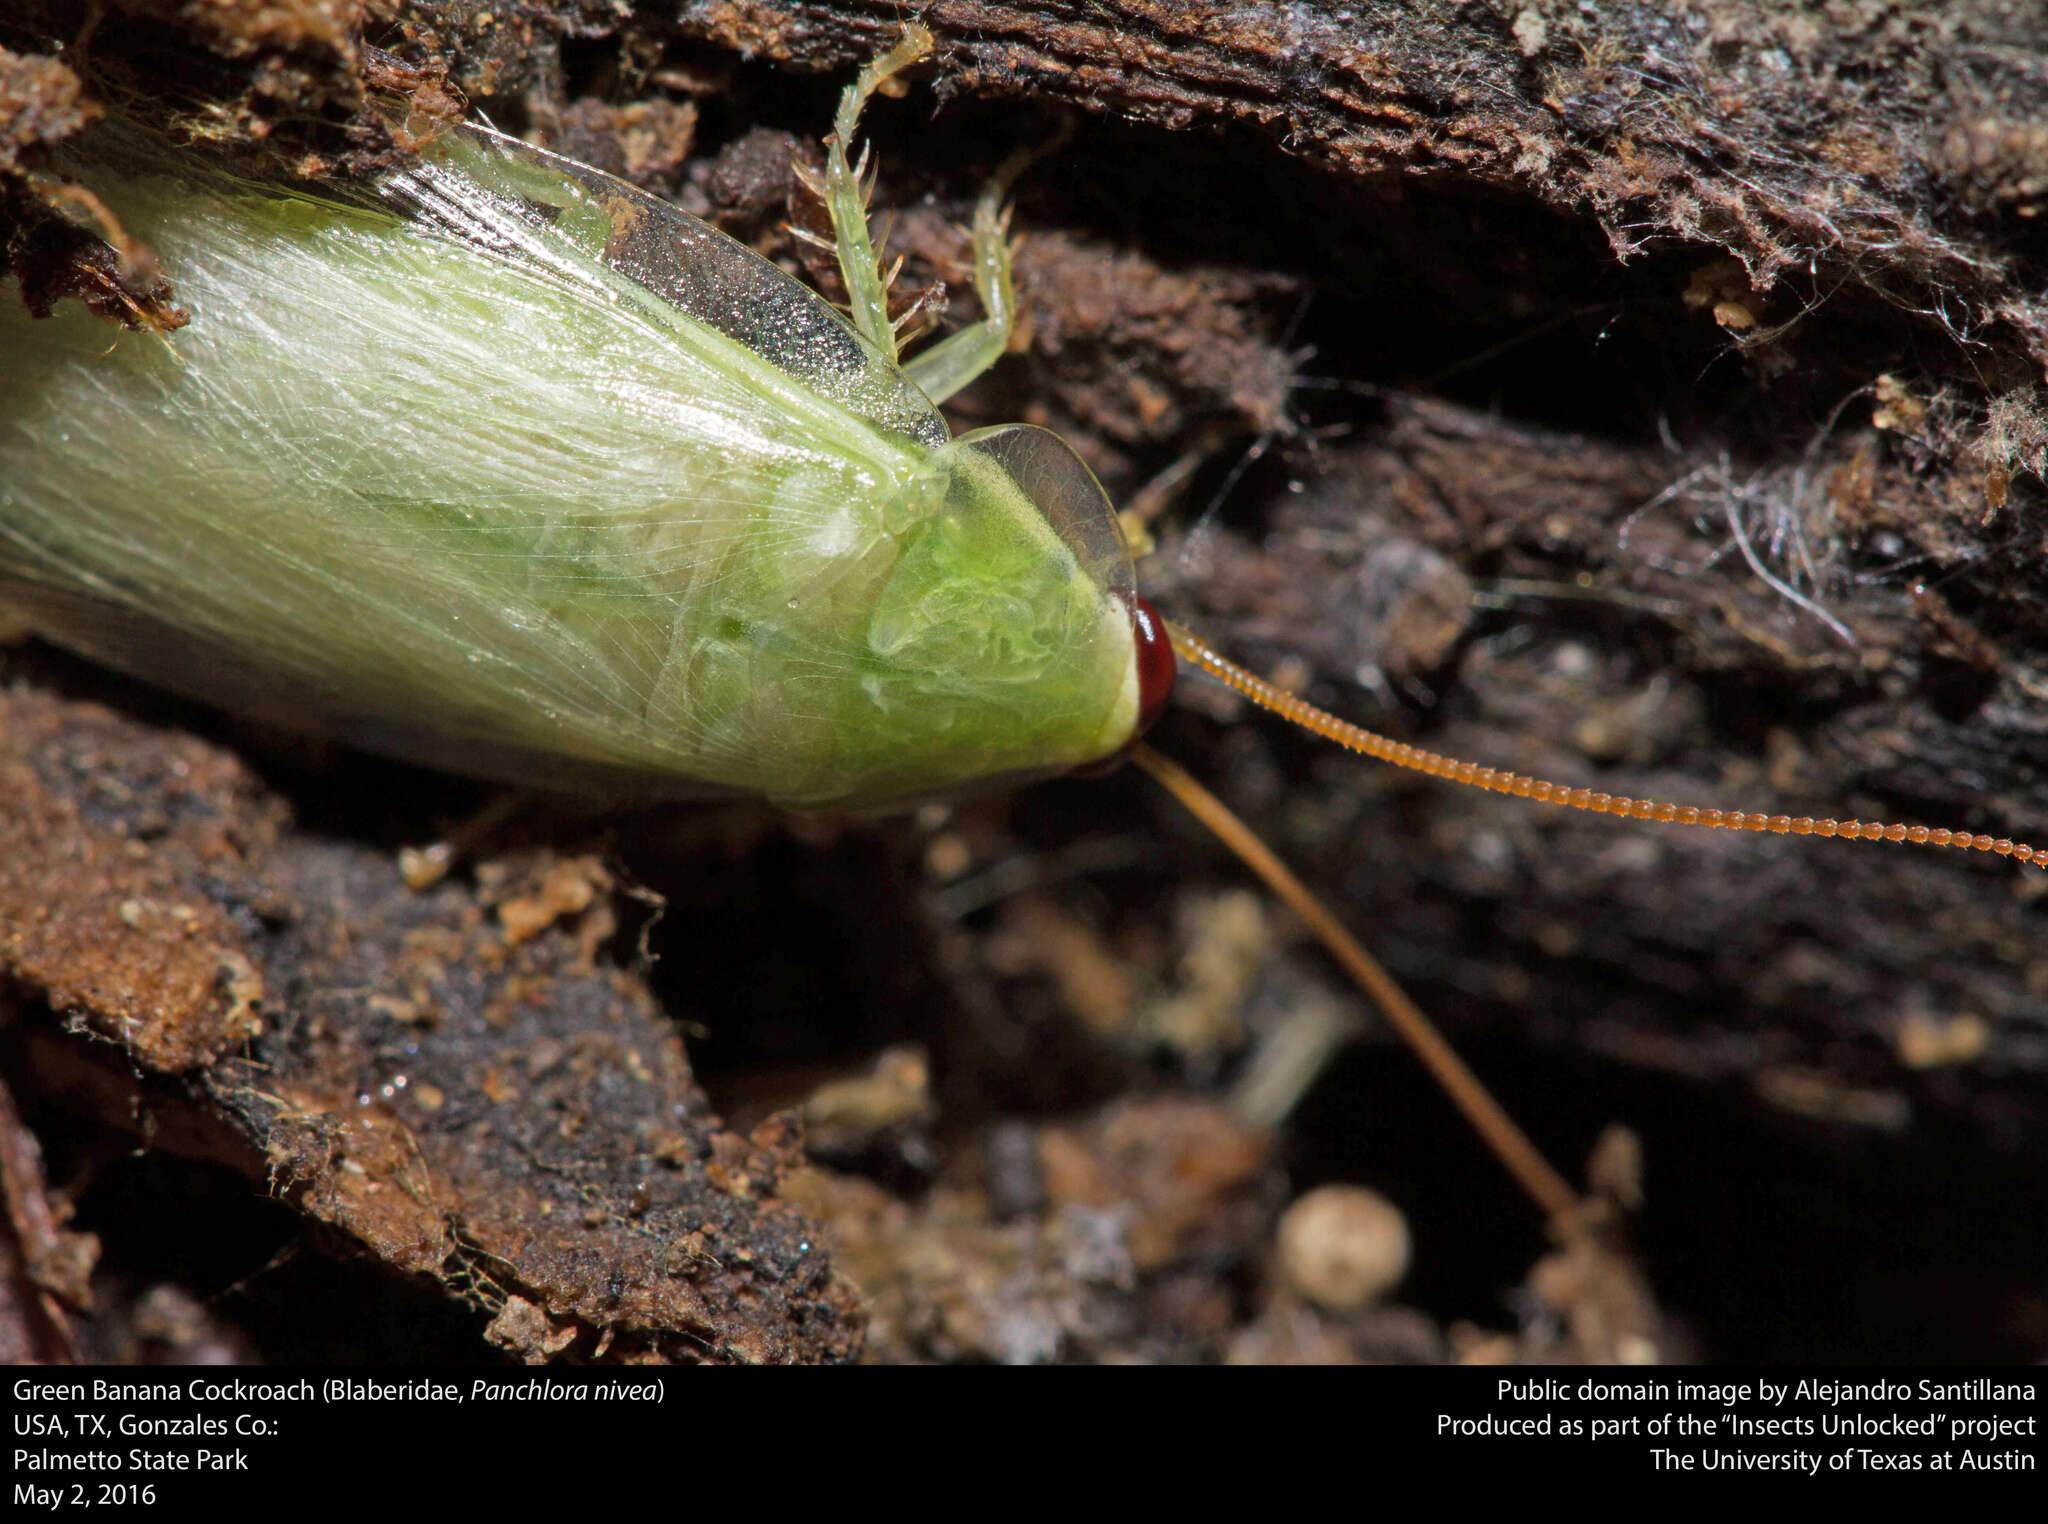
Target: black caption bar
143 1439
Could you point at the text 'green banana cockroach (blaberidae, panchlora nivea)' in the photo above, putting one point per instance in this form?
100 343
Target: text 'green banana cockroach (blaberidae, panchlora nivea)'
513 468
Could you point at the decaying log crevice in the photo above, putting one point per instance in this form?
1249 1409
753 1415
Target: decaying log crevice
1651 398
448 1080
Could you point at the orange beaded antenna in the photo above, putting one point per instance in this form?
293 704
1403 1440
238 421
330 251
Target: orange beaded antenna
1194 650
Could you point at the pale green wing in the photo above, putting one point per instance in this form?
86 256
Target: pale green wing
617 242
458 494
519 472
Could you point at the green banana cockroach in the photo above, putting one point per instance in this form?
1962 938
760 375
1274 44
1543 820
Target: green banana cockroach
511 468
515 469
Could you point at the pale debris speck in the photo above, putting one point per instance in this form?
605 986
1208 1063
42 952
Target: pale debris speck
1343 1246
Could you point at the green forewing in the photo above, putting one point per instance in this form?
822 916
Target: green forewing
526 473
616 243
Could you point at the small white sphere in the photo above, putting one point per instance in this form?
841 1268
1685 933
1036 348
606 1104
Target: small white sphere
1342 1246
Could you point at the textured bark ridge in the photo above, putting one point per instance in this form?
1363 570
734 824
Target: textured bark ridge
1868 145
1644 397
448 1079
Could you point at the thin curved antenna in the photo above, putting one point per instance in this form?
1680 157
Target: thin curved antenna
1550 1191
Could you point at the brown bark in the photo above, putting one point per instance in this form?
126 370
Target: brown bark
1614 305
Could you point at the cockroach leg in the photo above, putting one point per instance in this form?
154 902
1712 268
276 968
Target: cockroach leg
959 358
846 193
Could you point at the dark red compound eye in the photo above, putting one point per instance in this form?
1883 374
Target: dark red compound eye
1156 667
1156 670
